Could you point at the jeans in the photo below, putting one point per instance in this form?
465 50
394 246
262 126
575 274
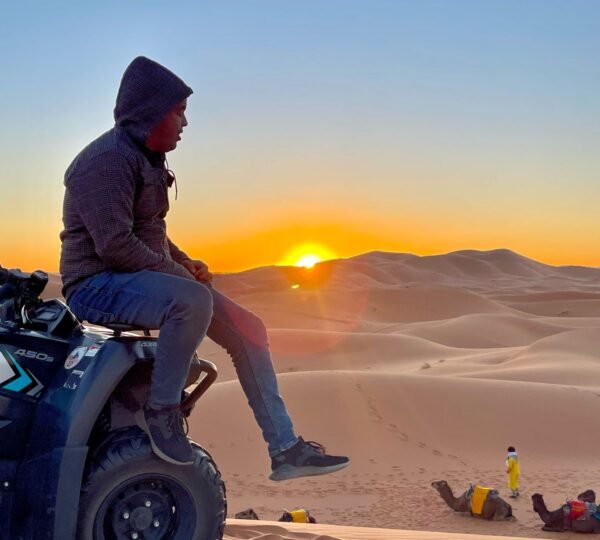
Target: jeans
185 311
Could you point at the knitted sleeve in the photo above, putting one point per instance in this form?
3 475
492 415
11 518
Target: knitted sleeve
178 255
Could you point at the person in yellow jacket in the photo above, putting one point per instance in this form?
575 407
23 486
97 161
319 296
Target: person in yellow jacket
513 471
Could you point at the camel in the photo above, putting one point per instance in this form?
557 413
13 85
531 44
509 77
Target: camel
560 520
495 508
249 513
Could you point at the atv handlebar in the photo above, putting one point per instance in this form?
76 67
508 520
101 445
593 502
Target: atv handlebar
16 277
4 273
7 291
18 292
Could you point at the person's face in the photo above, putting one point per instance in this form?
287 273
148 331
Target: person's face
165 135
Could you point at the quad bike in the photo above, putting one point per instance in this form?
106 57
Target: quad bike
73 463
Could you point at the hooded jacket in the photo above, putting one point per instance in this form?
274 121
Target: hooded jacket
116 195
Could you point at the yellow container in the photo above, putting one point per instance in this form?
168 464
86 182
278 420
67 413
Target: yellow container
299 516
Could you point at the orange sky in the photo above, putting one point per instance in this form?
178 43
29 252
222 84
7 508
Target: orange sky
276 239
474 126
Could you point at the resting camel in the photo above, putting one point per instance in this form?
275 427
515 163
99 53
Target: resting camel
560 520
495 508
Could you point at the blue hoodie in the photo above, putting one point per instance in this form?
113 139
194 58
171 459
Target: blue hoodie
116 195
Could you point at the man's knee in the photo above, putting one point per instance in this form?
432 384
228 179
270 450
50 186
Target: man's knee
255 330
194 303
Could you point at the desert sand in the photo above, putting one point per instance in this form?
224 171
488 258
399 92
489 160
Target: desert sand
239 529
418 369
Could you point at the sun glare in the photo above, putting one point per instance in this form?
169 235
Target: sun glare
308 261
307 255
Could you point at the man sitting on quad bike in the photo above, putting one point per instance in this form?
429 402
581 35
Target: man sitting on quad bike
119 266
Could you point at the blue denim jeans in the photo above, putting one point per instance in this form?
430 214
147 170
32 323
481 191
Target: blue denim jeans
185 311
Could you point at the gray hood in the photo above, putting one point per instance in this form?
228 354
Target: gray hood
148 91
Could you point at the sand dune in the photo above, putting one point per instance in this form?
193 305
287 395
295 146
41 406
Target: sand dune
418 368
574 307
238 529
438 414
483 330
348 310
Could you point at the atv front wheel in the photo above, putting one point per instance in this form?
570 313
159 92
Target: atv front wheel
129 493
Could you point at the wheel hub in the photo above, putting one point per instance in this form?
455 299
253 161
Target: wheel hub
141 518
147 507
141 510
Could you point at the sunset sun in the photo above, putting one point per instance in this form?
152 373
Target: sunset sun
307 255
308 260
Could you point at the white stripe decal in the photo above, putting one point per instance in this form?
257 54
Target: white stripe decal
37 388
6 372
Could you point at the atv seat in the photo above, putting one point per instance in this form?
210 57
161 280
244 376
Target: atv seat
197 366
196 369
118 328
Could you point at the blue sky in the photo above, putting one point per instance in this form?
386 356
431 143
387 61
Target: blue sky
436 125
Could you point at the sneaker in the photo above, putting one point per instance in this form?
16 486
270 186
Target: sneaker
164 427
305 458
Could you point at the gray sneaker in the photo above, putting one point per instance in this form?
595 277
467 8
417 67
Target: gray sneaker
305 458
168 439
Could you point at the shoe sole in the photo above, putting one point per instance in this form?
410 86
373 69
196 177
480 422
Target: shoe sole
287 472
140 420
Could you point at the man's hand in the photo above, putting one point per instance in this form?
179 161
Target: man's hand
198 269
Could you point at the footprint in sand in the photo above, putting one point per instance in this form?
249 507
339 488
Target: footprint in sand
422 445
436 453
403 437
